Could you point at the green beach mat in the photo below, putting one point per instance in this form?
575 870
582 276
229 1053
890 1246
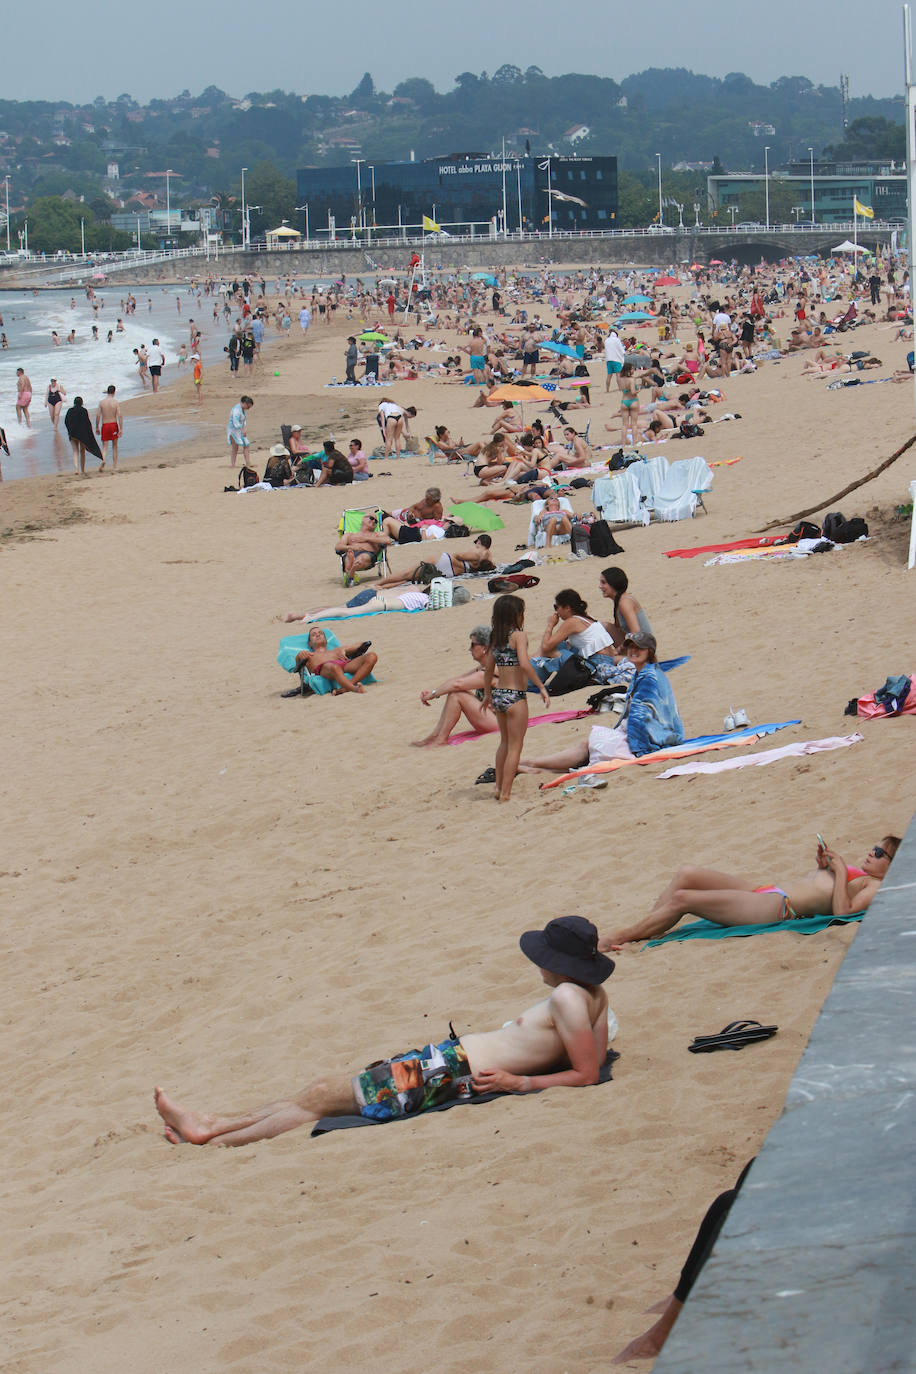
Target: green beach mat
709 930
476 516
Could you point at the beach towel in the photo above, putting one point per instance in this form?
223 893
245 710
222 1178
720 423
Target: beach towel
291 645
699 745
360 615
346 1123
724 548
709 930
896 697
811 746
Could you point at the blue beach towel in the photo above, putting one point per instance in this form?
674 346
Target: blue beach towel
709 930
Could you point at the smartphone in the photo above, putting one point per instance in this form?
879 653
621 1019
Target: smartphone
820 843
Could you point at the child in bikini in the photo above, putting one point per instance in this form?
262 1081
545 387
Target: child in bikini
509 652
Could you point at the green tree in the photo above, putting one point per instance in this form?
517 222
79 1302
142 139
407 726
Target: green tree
266 186
870 139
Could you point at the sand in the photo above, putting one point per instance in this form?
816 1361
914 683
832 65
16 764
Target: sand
215 889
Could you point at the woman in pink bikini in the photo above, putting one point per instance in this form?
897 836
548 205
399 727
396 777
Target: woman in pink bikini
831 889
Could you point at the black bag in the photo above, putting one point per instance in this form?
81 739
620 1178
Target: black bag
616 461
842 531
456 531
601 543
688 430
573 673
410 534
580 538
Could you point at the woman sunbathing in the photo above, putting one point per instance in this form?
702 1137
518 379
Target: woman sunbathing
831 889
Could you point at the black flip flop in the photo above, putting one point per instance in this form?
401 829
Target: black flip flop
488 775
732 1037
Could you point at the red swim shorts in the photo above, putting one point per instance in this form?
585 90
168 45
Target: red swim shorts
110 430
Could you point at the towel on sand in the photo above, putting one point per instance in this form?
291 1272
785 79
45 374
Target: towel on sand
710 930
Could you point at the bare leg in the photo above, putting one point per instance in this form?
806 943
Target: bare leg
574 756
361 667
501 750
726 906
516 719
324 1097
456 705
334 673
648 1345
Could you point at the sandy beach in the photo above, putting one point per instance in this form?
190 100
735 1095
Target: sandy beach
213 888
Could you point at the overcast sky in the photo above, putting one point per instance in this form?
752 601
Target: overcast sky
159 49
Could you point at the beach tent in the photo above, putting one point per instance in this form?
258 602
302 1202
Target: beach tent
281 237
847 247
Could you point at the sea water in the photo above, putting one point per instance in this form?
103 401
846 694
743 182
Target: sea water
87 367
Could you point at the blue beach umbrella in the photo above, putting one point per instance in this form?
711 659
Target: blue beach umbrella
637 300
631 315
565 349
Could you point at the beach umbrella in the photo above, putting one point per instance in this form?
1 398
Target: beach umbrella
716 262
668 281
484 276
512 391
632 315
563 349
371 337
637 300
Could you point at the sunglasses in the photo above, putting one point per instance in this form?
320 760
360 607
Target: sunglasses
880 853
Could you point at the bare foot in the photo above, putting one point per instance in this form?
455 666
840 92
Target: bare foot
182 1126
290 617
615 942
102 465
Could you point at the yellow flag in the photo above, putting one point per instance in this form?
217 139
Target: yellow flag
430 226
861 209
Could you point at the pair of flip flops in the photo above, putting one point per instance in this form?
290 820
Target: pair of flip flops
488 775
733 1037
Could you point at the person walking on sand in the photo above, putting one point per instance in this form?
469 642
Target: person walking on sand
508 652
236 431
830 889
156 364
79 431
54 400
109 425
23 397
560 1042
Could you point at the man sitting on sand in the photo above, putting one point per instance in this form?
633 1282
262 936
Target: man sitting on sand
831 889
334 664
559 1042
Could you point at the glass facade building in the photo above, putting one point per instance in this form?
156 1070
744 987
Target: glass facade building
881 186
458 192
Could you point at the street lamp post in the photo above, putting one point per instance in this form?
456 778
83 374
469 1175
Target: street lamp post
732 210
82 237
661 213
766 180
811 156
518 178
545 166
305 207
7 183
244 216
359 191
168 206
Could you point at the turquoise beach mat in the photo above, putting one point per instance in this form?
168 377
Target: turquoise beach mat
709 930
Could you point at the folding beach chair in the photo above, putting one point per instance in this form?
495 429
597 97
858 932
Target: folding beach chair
651 475
537 538
350 523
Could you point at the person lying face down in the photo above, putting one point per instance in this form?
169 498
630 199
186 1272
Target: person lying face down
830 889
561 1041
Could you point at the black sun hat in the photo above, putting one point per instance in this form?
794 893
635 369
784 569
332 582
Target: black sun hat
568 945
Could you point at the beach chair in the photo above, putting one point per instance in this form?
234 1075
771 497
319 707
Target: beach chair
683 490
617 499
349 523
451 455
310 684
537 538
